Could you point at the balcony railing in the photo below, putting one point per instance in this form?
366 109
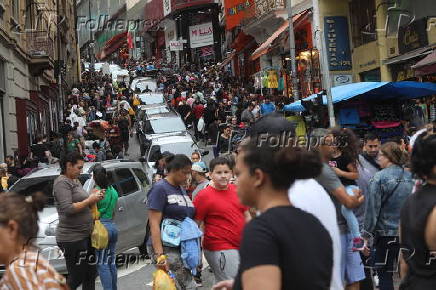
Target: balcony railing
262 8
40 44
265 6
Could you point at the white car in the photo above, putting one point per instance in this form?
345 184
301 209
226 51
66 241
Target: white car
131 181
181 143
143 83
151 98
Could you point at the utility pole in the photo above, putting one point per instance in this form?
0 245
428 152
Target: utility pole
91 41
325 71
59 69
294 76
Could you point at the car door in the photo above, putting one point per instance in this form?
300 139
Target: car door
135 209
141 202
121 218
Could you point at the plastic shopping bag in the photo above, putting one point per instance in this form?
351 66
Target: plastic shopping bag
99 236
162 281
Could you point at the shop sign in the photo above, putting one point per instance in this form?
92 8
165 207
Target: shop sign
166 7
201 35
340 80
337 43
176 45
236 10
413 36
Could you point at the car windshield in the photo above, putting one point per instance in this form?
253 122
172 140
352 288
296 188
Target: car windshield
151 99
142 85
28 186
185 148
157 110
167 125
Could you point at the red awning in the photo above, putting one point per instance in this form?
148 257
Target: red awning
241 41
267 45
426 66
113 44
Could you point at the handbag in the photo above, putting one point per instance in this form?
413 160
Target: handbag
170 232
99 236
171 229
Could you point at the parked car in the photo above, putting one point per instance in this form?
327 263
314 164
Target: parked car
142 83
151 98
181 143
159 125
131 181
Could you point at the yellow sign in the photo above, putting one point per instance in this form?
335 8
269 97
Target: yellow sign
273 82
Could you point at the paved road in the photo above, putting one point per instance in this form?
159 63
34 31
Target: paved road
139 275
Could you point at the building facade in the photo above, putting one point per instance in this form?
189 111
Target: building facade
30 99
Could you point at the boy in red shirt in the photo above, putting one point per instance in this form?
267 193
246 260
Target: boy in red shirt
218 208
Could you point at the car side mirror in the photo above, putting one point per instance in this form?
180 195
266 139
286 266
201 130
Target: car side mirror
142 160
204 153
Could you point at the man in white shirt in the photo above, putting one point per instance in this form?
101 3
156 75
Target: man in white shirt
310 196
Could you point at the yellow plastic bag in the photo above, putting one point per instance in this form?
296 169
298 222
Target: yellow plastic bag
162 281
136 101
131 112
99 236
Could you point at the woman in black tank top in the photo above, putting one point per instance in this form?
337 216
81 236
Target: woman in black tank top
418 222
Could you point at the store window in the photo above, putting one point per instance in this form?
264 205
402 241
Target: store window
363 22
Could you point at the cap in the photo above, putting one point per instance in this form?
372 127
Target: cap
199 167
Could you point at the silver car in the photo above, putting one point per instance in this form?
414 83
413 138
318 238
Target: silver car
131 181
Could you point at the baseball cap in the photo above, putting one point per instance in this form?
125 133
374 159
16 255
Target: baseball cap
199 167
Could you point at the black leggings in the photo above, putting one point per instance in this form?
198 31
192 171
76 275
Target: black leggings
81 265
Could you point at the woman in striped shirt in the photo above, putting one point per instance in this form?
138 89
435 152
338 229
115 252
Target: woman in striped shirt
25 267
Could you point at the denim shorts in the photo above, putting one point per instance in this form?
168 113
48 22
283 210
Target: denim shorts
352 269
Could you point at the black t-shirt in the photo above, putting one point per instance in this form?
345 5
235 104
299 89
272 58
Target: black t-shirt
39 150
342 162
293 240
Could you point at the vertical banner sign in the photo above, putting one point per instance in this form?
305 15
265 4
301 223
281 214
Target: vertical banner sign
337 43
166 7
201 35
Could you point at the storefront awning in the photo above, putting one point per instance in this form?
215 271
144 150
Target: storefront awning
416 53
372 90
426 66
267 45
113 44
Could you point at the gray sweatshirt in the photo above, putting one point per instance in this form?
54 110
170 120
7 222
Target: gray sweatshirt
73 225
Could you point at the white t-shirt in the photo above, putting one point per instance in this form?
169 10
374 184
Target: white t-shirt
310 196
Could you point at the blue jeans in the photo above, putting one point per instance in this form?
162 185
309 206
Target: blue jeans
348 214
106 266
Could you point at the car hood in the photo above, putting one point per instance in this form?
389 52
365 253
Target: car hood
48 215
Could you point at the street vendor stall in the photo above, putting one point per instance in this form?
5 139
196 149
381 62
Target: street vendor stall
387 108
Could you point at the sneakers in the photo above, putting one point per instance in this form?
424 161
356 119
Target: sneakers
358 244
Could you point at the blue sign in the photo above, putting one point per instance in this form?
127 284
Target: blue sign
337 43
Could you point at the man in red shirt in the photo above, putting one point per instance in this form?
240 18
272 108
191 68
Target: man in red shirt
198 110
219 210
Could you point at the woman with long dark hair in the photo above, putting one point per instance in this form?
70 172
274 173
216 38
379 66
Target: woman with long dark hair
418 221
106 267
284 247
73 233
344 164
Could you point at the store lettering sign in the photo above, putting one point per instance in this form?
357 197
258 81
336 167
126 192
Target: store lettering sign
176 45
413 36
340 80
337 43
166 7
201 35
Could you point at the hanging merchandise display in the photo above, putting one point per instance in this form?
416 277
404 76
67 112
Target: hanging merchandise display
273 82
281 86
265 80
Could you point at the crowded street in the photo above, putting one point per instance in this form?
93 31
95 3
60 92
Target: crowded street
218 144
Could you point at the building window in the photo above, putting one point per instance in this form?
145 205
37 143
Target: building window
16 9
363 22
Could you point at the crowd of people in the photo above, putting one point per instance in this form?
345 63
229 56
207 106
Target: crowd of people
263 216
